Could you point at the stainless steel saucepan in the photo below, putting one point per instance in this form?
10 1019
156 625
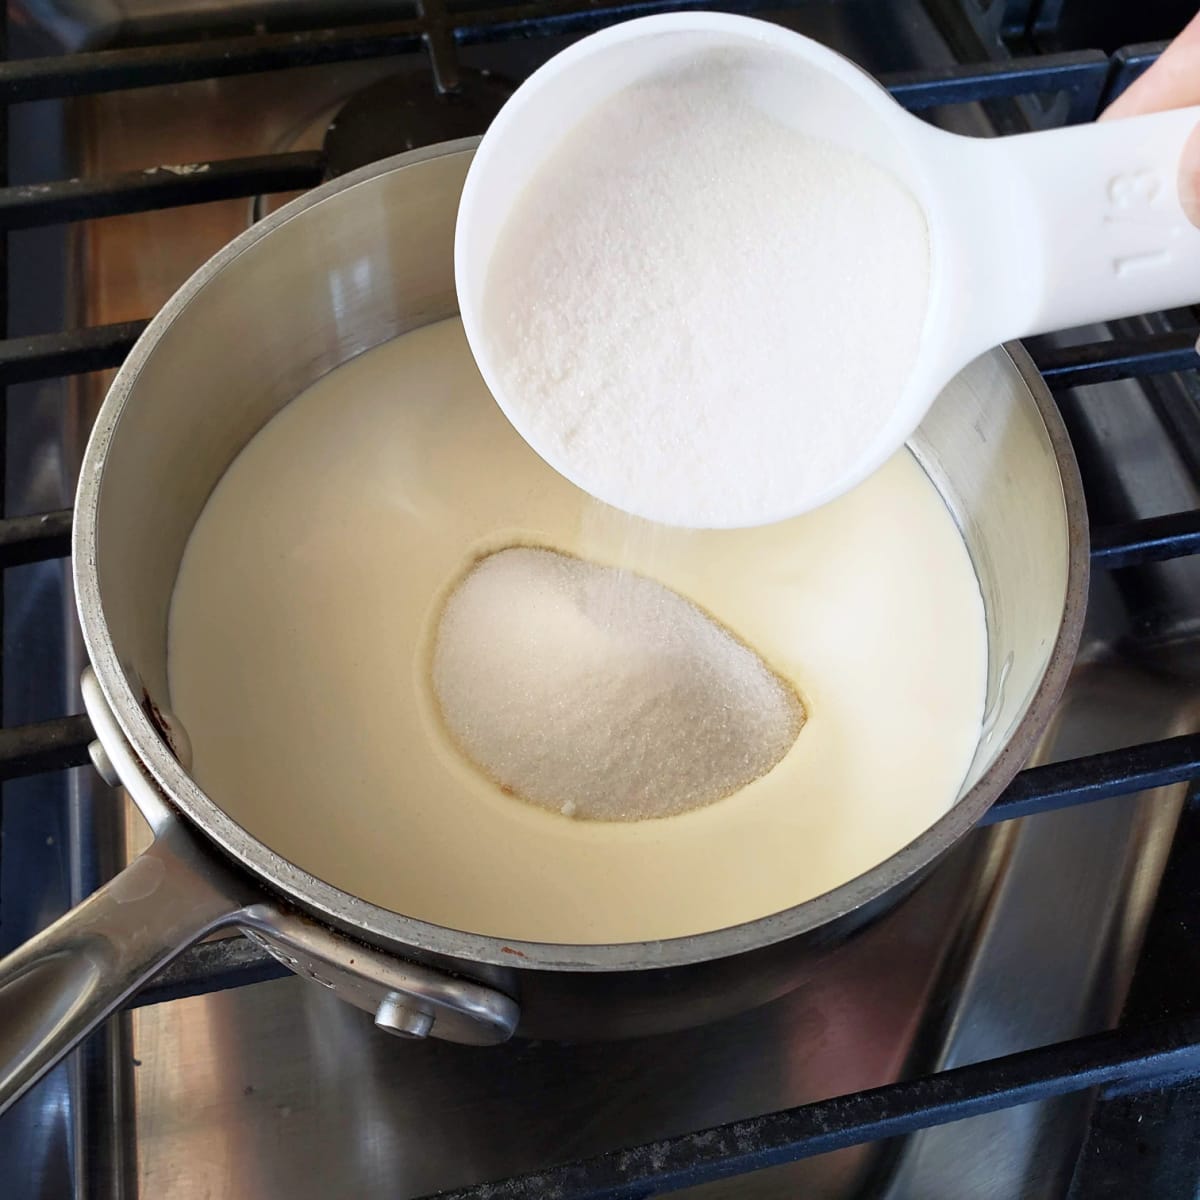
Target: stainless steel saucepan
346 267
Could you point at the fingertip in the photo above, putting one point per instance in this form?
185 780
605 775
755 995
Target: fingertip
1189 177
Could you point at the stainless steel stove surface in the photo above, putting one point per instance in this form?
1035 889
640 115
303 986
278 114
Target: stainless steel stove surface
1030 934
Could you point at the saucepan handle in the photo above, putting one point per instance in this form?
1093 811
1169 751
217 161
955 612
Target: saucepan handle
58 986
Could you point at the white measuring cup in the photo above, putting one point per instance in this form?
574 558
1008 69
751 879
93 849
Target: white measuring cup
1028 233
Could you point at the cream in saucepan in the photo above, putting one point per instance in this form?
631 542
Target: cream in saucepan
301 643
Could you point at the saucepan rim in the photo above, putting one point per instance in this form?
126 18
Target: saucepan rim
394 931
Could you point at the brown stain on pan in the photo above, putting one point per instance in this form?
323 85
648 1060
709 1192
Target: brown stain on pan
156 719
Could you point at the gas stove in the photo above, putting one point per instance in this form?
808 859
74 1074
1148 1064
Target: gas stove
1025 1025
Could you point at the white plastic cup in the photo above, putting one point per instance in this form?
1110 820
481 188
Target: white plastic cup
1028 233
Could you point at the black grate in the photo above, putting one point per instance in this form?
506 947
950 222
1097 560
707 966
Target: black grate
1152 1053
1124 1058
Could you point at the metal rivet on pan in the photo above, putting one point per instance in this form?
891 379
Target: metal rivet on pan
103 764
395 1014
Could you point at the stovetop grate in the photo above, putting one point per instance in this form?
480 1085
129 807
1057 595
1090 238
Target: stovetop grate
1149 1055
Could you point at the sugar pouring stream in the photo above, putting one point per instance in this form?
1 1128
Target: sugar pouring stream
1082 224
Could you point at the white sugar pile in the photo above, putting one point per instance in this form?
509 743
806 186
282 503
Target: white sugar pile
601 694
701 315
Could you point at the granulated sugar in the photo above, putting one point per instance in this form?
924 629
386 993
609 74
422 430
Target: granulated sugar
601 694
702 315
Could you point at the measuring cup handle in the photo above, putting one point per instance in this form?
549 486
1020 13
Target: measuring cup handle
1098 209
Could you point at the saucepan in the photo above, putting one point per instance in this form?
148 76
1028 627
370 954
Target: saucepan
354 263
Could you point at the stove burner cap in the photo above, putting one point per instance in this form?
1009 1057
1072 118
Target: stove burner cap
405 111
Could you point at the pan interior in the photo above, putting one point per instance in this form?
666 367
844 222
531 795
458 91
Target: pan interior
373 260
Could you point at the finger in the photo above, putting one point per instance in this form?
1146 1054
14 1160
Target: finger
1189 177
1172 82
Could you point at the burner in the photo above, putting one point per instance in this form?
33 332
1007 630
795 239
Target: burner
405 111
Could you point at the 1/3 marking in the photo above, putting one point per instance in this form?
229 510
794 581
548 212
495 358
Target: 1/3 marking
1131 200
1126 264
1134 189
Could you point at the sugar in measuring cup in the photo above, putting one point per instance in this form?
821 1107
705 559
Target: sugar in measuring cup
1003 238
